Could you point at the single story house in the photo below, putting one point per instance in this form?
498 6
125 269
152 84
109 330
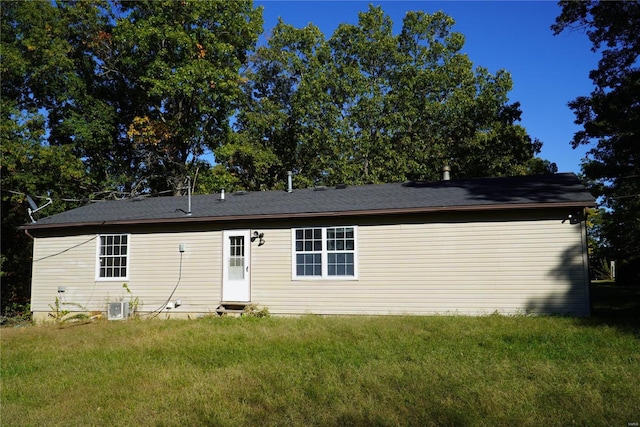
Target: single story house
510 245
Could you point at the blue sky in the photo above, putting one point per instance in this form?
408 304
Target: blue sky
547 71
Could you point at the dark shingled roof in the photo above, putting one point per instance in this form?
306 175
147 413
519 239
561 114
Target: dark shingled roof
561 190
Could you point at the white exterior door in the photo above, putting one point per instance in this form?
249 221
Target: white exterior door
236 266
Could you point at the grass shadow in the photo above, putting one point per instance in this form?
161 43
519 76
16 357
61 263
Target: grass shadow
615 305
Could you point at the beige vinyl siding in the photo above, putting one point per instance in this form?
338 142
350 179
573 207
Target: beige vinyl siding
510 266
154 271
68 262
432 264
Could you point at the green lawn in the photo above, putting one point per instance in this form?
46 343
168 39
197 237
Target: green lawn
494 370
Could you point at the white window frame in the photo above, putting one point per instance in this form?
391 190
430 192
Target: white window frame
324 254
126 256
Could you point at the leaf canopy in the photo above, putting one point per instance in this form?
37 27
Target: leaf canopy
370 106
610 118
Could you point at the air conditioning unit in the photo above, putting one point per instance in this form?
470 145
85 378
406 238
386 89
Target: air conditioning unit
118 310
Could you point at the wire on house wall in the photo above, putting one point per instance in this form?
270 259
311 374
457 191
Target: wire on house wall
157 311
66 250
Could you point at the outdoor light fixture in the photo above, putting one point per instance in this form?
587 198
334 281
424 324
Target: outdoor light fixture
574 217
259 237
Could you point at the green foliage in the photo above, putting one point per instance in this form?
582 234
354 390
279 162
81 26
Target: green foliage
212 180
56 77
368 106
137 90
60 314
29 167
16 314
182 59
610 118
57 311
599 255
134 303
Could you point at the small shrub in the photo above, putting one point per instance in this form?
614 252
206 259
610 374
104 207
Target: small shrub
252 310
61 314
16 314
57 311
134 303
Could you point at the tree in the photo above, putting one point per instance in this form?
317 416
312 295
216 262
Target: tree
31 55
182 62
103 99
138 89
368 106
417 103
56 78
610 118
29 167
287 119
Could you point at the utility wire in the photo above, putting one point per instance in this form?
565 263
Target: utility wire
158 310
66 250
87 199
622 197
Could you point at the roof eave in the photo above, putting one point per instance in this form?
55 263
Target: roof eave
371 212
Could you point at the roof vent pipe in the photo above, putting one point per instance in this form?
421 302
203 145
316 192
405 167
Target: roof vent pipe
222 194
446 175
289 181
189 194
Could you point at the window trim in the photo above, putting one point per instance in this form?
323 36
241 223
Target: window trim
127 257
324 255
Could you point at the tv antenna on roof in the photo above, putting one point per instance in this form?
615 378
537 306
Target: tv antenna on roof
34 207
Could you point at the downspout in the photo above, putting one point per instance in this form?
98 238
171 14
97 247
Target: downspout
29 234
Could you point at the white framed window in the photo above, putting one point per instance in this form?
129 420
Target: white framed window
112 260
324 253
